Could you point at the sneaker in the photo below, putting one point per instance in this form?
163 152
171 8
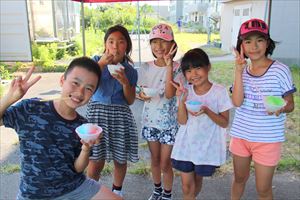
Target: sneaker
118 192
155 196
166 197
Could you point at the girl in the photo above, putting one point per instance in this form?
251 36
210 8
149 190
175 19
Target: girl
158 119
109 109
255 134
200 144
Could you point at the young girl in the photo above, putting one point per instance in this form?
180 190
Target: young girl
200 144
159 124
109 109
256 134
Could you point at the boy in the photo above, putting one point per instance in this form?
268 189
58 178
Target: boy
52 156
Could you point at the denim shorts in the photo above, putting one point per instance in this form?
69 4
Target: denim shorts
162 136
186 166
86 190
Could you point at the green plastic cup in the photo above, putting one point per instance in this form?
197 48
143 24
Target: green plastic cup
273 103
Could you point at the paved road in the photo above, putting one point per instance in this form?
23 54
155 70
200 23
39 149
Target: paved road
285 187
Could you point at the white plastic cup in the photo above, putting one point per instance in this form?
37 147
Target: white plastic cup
112 68
193 106
88 131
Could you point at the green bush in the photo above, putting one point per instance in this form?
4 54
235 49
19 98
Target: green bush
101 17
17 67
44 54
134 29
35 50
4 73
54 68
75 49
60 54
60 68
48 68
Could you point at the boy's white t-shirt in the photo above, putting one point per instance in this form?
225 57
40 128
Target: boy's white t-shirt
159 112
201 141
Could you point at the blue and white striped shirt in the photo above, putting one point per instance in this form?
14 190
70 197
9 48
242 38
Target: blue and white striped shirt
251 121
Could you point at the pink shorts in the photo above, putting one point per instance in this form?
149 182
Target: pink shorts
267 154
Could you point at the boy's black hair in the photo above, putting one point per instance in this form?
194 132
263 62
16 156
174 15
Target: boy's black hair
194 58
85 63
124 31
174 47
269 50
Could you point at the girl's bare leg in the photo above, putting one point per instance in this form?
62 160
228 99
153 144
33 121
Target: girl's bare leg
241 166
263 179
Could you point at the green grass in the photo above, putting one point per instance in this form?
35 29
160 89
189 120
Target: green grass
214 51
187 41
289 164
143 145
9 168
140 168
291 151
293 118
108 169
222 72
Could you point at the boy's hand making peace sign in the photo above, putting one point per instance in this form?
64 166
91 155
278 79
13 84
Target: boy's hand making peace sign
17 89
19 86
